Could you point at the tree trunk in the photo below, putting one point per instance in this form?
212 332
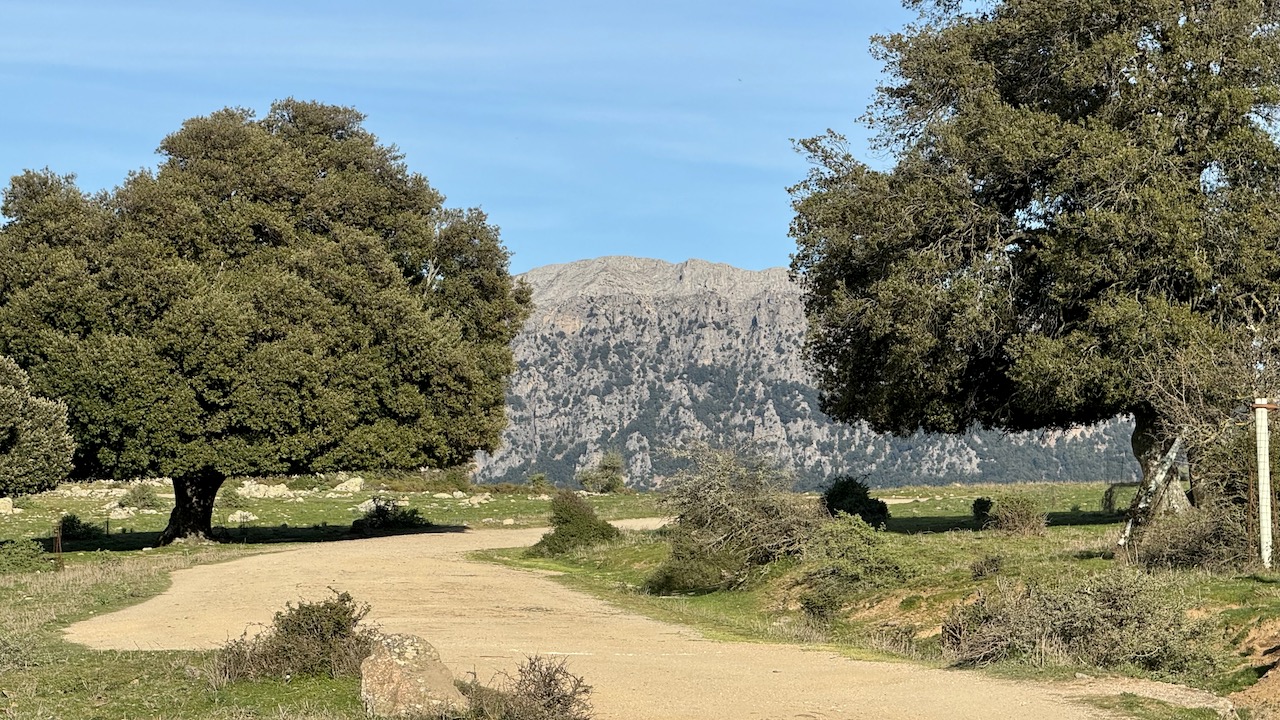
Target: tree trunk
193 506
1165 494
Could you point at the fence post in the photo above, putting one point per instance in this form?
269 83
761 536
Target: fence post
1260 406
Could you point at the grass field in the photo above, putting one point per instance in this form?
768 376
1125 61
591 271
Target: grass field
43 677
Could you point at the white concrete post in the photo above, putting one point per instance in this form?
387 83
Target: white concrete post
1260 406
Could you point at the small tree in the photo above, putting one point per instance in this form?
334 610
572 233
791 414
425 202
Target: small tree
35 448
606 477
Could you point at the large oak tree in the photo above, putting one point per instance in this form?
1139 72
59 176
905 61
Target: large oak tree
1080 191
282 295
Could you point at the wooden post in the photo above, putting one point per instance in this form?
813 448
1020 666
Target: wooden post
1260 406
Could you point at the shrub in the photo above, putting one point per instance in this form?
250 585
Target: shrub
1108 620
324 638
229 498
726 500
387 515
981 509
35 447
850 495
1213 538
141 496
692 568
539 483
73 528
23 556
986 566
542 689
1018 515
606 476
573 525
846 555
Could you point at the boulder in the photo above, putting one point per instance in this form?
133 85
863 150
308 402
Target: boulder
404 678
6 506
355 484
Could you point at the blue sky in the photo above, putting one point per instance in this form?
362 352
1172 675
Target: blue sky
657 129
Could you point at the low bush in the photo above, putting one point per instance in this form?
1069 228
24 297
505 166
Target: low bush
606 477
1108 620
73 528
986 566
693 568
981 510
573 525
1017 515
387 515
324 638
1214 538
540 484
845 556
728 500
22 556
850 495
229 498
543 689
141 496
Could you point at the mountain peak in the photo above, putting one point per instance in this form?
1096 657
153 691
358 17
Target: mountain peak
648 277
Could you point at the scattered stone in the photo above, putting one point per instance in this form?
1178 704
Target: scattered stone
509 521
121 513
149 511
367 506
402 502
404 678
458 494
442 496
488 521
332 495
355 484
241 516
6 506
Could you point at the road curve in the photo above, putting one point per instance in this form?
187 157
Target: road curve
485 619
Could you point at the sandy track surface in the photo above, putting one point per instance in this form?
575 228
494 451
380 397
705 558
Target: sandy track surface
485 619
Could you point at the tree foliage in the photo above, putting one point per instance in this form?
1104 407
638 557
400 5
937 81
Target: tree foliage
281 295
35 448
1080 191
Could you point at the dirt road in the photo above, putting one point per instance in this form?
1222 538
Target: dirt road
484 618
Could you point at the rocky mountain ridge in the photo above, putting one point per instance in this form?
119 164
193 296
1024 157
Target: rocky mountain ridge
641 356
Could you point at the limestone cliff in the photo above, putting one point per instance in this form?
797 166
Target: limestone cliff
640 355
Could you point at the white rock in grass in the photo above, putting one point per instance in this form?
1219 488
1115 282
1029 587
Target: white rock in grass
355 484
121 513
241 516
442 496
6 506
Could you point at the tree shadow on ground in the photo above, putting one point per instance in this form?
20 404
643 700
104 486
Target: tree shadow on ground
245 535
915 525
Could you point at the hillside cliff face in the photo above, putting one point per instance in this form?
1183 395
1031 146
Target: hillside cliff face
640 356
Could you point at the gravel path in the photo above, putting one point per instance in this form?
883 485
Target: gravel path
485 618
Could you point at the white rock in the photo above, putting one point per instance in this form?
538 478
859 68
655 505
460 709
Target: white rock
442 496
458 494
6 506
509 521
251 489
367 505
241 516
121 513
355 484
